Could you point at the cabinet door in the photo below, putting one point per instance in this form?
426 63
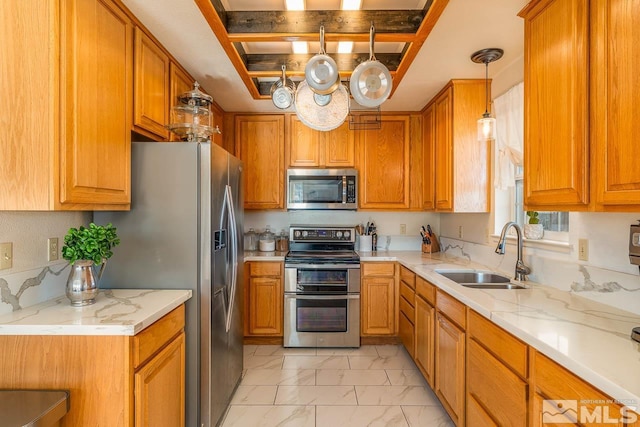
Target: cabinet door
384 165
151 97
259 142
95 108
180 82
502 394
406 331
428 159
304 145
160 387
614 103
377 306
450 368
443 149
556 109
339 147
265 306
425 339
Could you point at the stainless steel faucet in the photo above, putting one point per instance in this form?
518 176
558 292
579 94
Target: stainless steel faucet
521 269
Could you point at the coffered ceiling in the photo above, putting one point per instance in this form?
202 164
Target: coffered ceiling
463 27
257 35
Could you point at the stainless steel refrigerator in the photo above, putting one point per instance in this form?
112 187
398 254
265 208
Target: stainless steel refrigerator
184 231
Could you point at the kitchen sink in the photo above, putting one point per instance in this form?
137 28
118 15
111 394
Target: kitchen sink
480 279
493 285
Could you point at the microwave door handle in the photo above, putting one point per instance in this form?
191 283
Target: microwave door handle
344 189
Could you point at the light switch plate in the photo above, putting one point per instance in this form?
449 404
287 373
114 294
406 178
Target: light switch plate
6 255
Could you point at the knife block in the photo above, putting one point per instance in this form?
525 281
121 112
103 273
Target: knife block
434 246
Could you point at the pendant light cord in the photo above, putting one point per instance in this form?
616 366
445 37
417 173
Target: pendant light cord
486 89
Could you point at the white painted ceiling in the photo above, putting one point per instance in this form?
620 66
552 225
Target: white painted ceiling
465 27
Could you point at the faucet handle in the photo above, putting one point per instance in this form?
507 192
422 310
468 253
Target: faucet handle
522 270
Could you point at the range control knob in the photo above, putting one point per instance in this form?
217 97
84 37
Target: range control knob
339 234
346 234
297 233
304 234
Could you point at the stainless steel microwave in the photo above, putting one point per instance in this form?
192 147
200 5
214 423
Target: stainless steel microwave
322 189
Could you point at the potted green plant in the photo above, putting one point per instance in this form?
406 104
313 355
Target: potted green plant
85 248
533 229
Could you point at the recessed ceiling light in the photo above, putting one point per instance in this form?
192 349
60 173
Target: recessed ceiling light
345 47
294 4
351 4
300 47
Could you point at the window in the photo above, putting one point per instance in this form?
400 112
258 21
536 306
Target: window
509 193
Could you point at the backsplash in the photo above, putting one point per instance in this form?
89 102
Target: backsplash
614 288
32 279
387 224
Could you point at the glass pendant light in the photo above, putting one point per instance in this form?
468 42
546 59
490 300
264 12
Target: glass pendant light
486 124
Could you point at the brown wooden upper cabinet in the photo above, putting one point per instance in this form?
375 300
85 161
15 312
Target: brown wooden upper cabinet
383 164
69 150
259 143
309 148
579 127
456 167
151 97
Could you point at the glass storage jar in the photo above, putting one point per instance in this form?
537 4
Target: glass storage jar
267 241
282 242
251 240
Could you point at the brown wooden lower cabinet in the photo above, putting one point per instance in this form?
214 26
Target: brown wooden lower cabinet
378 298
407 311
425 339
264 295
113 380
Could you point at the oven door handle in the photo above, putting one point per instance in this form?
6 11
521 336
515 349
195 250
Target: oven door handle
322 297
322 266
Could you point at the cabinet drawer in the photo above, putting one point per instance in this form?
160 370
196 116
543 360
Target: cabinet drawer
426 290
408 276
510 350
265 269
149 341
408 309
378 269
407 293
452 308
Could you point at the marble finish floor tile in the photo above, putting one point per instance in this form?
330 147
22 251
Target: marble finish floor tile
394 395
360 416
270 416
406 377
399 361
316 362
332 387
277 350
351 377
279 377
427 416
263 362
254 395
315 395
365 350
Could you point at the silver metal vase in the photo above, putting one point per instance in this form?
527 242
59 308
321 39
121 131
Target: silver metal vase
82 284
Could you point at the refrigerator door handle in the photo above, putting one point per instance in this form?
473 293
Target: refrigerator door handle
234 254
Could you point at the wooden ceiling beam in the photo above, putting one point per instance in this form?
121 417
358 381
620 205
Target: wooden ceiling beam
334 21
314 37
296 63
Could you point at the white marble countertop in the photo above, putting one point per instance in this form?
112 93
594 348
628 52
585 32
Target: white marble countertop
264 256
589 338
115 312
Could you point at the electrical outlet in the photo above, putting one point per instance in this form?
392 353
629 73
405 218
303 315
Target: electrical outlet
403 229
52 253
583 249
460 232
6 255
486 235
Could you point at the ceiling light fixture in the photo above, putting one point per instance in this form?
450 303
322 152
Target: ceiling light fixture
345 47
486 124
351 4
300 48
294 4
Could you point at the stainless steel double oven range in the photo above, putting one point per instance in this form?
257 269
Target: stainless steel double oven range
322 288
